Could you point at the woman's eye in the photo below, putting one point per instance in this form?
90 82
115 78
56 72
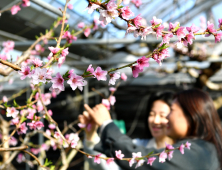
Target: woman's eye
152 113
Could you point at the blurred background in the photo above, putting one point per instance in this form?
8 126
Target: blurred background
198 65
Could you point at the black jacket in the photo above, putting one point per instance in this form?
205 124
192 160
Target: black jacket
201 156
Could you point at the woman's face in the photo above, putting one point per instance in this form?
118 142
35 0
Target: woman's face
157 118
177 126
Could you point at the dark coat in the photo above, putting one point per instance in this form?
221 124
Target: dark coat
201 156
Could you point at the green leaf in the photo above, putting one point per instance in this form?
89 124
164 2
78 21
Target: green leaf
67 28
47 163
177 27
32 67
107 1
72 32
86 73
23 119
66 74
164 46
156 26
112 69
52 167
15 104
149 153
6 105
36 37
120 7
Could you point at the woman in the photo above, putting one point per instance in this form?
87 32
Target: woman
193 118
158 107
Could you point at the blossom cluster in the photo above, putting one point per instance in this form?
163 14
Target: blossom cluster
140 160
16 8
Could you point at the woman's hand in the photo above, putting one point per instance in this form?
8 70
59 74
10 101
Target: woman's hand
99 113
91 126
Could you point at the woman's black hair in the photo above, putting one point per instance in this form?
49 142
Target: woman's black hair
166 97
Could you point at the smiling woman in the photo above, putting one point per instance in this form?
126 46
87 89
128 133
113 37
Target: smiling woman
193 118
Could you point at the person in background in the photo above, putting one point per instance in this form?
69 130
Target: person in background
158 108
193 118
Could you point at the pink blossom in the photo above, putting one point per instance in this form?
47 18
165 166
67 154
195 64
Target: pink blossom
112 100
100 74
97 159
173 26
107 16
48 132
37 62
25 3
50 112
10 81
151 160
39 48
155 21
90 69
70 6
181 33
187 145
52 126
65 52
114 77
126 13
35 151
57 135
217 37
137 21
87 32
11 112
220 22
130 29
39 75
81 125
140 163
81 25
39 125
162 157
143 62
58 82
8 46
110 161
76 81
170 153
73 136
3 57
25 71
119 154
45 147
20 158
193 29
13 141
145 32
91 7
74 143
15 9
61 61
181 148
15 121
31 115
32 125
190 37
123 77
111 5
210 29
106 103
166 37
136 70
69 37
112 89
131 162
54 50
4 99
22 129
137 3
